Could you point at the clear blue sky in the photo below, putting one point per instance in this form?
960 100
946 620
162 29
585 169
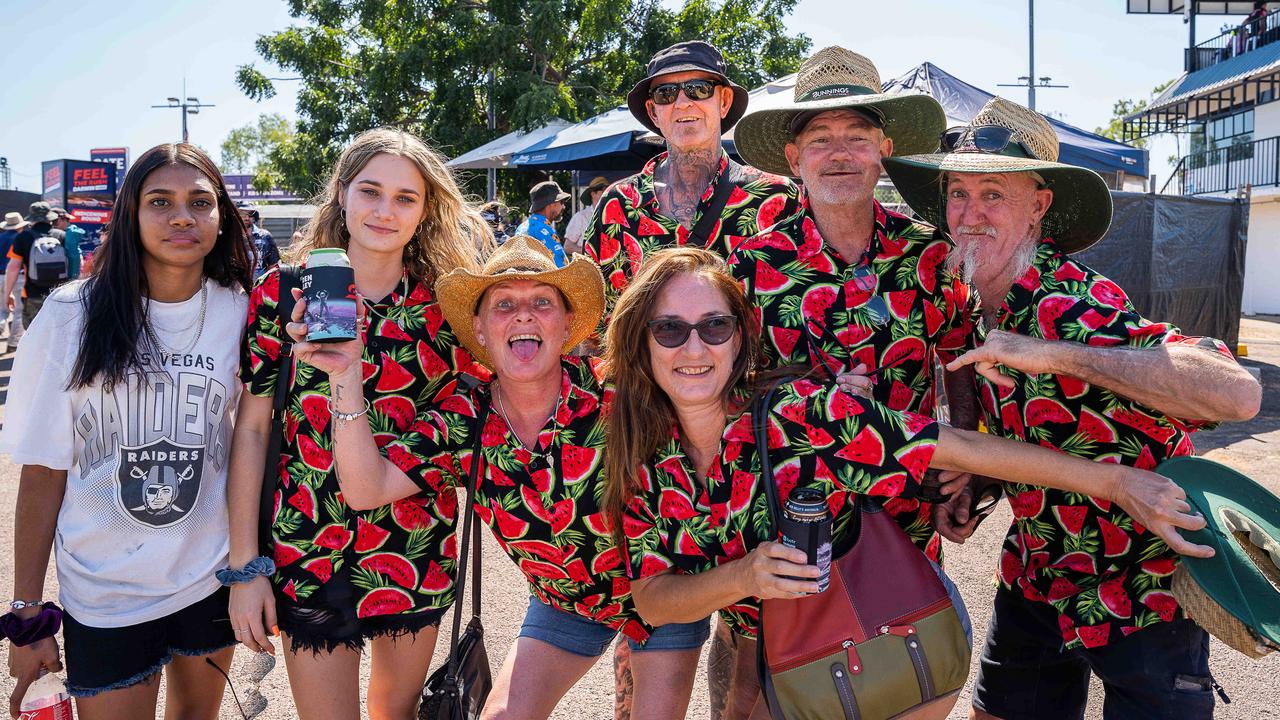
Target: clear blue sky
90 78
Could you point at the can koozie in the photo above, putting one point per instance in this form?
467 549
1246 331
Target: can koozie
328 287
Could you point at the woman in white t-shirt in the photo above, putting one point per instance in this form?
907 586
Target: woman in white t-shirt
120 409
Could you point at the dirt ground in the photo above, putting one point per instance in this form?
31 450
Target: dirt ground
1254 686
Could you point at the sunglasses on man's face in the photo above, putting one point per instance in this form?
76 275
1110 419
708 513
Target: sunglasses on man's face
673 333
666 93
985 138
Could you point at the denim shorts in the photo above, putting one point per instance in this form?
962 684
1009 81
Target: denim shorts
580 636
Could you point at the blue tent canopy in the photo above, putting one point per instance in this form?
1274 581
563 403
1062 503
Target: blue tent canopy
612 140
961 101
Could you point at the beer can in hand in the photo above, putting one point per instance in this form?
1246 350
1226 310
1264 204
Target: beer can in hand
806 525
329 288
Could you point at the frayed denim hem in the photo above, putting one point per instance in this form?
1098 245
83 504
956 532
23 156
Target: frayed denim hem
82 692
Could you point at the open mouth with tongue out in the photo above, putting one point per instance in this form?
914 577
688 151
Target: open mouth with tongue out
525 346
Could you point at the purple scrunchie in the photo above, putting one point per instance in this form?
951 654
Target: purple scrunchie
24 632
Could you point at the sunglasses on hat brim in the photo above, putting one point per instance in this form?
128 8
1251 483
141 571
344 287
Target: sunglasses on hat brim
698 89
991 139
673 333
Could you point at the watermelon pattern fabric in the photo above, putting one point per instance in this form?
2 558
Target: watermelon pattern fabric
542 506
399 556
818 435
1106 575
892 310
628 223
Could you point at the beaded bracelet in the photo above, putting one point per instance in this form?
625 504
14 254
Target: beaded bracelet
260 566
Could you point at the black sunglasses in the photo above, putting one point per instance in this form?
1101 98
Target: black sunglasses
985 138
672 333
699 89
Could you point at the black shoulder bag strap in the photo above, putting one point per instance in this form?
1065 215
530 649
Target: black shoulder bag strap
701 232
271 471
760 426
471 542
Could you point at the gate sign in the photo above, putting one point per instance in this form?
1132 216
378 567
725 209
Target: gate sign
118 156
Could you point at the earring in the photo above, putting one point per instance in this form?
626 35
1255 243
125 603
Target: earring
480 340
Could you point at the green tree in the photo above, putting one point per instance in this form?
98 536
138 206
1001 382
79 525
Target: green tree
1122 109
253 147
424 65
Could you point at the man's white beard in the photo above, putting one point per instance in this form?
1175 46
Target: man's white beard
968 258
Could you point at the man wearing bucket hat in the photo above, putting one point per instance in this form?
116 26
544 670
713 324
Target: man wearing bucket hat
11 319
577 227
693 193
546 204
1082 586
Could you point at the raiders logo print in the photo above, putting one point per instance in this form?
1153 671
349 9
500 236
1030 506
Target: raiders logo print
158 483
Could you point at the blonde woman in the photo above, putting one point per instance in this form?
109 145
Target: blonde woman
342 576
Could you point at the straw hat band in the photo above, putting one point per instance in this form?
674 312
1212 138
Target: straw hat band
832 91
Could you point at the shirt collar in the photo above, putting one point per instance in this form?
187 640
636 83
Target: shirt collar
648 192
809 250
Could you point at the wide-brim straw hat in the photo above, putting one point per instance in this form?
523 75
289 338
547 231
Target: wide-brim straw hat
1234 595
13 221
838 79
522 258
1081 210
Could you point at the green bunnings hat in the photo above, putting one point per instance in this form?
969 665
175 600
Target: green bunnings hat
838 79
1235 595
1081 209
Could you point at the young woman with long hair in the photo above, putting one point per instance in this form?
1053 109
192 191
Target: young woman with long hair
120 410
681 350
344 576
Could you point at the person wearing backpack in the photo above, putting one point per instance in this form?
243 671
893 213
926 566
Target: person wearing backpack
42 256
11 319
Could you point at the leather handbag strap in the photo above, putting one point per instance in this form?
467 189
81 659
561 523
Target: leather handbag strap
470 543
271 469
707 220
760 426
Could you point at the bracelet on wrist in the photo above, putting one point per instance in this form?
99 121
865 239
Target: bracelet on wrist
24 631
260 566
347 417
20 604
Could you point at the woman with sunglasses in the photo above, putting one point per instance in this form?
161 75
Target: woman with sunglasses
120 411
540 424
340 576
684 491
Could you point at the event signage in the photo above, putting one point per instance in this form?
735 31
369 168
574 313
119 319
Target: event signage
118 156
85 188
240 187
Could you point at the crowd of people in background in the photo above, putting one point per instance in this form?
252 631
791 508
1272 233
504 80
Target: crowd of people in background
598 399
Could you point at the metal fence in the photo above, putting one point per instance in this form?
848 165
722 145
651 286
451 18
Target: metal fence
1255 163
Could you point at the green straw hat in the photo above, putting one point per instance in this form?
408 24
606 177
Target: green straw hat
1235 595
838 79
1081 209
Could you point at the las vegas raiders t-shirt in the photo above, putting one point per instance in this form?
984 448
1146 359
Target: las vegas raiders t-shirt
143 524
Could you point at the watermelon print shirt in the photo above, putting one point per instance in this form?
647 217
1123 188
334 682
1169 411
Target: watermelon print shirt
543 506
835 442
1106 575
628 223
892 310
399 557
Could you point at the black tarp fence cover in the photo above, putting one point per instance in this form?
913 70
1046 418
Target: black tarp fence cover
1180 259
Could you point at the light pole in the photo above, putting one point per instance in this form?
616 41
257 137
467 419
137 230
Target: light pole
188 106
1028 81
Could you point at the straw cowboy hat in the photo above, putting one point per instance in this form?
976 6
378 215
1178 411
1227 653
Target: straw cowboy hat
1081 209
1235 595
522 258
838 79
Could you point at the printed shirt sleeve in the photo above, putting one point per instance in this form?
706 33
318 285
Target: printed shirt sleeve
260 351
1104 317
39 411
861 446
435 449
646 549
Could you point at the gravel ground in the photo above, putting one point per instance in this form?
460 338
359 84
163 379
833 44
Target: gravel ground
1254 686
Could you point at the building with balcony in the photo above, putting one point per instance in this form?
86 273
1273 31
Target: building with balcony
1225 102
